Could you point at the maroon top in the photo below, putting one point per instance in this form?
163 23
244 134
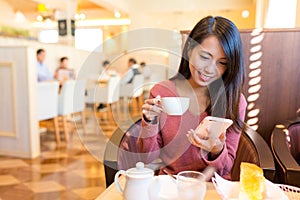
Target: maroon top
167 139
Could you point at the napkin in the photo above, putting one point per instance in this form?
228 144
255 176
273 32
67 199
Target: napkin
230 189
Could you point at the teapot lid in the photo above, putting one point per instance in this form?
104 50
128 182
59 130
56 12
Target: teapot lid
140 170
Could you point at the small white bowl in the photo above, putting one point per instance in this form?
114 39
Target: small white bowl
175 105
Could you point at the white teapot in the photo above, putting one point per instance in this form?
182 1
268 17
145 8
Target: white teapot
138 182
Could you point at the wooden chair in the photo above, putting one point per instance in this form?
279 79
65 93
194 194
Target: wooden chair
133 91
71 102
285 144
78 113
108 94
253 149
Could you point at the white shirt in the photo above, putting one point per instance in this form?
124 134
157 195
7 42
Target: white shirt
43 72
127 77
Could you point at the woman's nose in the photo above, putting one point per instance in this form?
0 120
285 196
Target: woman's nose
210 67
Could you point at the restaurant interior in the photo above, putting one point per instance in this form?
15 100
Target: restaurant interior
61 145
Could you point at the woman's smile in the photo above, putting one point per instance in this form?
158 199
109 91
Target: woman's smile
204 77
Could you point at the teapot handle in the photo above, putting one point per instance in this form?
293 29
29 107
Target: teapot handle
120 189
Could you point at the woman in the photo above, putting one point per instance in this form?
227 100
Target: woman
211 74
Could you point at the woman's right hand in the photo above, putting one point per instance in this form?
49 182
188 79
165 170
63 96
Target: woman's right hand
152 108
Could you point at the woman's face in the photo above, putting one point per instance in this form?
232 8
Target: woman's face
207 62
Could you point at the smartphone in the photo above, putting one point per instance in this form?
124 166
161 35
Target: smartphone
215 125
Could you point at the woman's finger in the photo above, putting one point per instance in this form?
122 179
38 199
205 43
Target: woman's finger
222 137
197 141
154 101
156 108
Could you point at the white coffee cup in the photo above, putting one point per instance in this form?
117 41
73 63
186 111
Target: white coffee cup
175 105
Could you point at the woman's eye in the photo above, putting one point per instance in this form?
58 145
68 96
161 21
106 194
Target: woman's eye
223 63
204 57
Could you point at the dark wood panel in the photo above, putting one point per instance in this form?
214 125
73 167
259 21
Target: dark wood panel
280 77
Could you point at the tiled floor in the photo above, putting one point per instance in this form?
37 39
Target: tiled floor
72 172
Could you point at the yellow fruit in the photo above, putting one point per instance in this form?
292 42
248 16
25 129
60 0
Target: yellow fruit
252 182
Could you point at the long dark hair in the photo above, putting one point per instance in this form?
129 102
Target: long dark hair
225 92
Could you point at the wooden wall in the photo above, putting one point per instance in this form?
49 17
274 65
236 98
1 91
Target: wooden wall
273 64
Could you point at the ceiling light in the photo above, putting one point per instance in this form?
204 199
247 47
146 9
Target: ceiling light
82 16
117 14
245 13
39 18
79 16
76 16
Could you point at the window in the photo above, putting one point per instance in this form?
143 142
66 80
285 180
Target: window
89 39
48 36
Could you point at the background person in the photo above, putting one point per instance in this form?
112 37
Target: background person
146 70
211 74
104 76
63 72
43 72
133 69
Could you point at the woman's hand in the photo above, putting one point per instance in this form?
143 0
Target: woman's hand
201 139
152 108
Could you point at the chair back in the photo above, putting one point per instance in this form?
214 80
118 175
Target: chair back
113 89
47 93
287 167
133 89
79 96
252 148
108 93
138 84
294 140
120 149
66 98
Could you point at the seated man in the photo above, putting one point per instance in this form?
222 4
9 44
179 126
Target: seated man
43 72
133 69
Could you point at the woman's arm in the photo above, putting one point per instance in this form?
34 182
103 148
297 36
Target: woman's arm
150 138
224 162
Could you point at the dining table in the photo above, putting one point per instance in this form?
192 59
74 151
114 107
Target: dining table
111 193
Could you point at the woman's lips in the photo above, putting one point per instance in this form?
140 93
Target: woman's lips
204 77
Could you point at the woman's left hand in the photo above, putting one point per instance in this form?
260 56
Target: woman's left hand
202 140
